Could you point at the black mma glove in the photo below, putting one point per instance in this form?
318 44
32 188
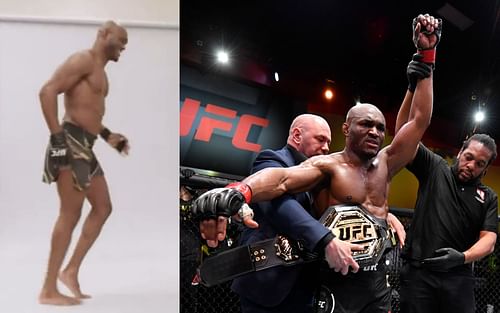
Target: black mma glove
58 150
444 259
429 53
121 145
225 201
437 32
105 133
416 71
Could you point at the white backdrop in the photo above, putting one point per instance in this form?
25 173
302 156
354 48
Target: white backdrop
133 267
158 11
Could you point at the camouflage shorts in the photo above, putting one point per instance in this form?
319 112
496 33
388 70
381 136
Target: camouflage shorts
82 160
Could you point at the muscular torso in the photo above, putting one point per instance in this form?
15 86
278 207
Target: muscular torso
84 103
366 185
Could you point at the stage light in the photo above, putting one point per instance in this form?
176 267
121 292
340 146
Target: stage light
329 89
276 76
328 94
222 57
479 116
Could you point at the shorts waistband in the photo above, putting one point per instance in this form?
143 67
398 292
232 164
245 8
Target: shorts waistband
73 128
380 221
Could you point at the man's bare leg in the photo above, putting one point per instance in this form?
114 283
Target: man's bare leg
98 196
69 214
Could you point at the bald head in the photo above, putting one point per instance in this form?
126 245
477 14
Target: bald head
363 110
111 41
310 134
308 121
111 26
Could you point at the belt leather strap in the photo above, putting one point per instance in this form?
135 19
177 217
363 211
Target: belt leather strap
258 256
343 220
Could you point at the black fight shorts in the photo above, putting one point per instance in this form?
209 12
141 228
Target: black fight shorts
366 291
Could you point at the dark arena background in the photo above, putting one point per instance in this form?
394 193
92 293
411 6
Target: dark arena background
282 56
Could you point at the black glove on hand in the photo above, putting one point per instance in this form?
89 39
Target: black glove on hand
121 145
416 71
424 40
218 202
444 259
105 133
58 150
221 201
437 32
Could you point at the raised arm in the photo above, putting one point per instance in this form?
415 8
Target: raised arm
420 66
405 142
416 110
404 111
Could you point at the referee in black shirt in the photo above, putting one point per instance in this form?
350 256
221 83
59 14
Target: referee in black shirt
454 224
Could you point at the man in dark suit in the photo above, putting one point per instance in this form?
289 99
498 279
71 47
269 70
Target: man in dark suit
287 289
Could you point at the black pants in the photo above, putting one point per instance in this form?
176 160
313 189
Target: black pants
424 291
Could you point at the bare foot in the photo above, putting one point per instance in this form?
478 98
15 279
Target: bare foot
57 298
70 281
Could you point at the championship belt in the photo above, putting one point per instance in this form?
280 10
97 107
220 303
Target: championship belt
352 223
347 222
261 255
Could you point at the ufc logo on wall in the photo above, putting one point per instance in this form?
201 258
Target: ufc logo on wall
207 124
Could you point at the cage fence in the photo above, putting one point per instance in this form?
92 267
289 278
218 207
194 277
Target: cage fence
196 298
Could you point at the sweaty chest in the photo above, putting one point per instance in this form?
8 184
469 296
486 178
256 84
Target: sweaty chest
354 185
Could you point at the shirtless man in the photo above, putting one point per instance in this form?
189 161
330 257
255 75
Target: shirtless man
360 173
70 161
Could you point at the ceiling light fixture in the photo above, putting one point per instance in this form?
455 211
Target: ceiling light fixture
276 76
479 116
328 94
222 57
328 91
